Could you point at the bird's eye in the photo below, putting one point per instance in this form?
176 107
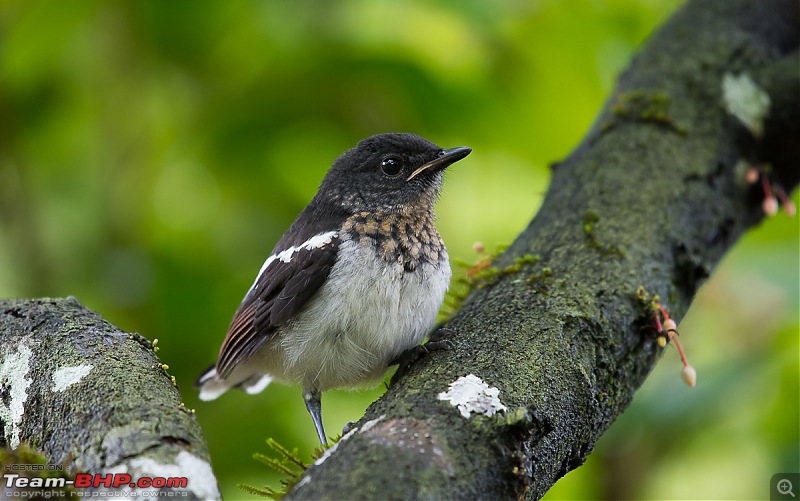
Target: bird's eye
391 167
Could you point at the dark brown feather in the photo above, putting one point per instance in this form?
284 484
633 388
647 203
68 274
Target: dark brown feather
280 292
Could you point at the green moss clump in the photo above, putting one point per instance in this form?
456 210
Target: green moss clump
590 220
643 106
644 298
30 457
518 417
479 274
541 281
288 464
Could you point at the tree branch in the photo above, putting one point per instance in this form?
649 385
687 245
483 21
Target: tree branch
94 398
653 197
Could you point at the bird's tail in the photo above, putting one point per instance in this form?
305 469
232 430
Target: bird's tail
212 386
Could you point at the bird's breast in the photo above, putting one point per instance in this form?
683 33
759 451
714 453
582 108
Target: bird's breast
381 298
410 240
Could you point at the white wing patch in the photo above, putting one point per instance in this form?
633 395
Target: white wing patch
285 256
212 386
258 386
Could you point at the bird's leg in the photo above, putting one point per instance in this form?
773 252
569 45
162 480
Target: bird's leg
313 398
436 341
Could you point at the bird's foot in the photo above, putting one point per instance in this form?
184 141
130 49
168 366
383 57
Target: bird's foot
436 342
347 427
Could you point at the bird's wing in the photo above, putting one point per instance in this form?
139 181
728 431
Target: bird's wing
284 285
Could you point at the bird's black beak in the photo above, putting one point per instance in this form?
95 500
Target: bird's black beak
445 158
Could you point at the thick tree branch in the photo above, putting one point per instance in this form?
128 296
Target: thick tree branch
653 197
94 398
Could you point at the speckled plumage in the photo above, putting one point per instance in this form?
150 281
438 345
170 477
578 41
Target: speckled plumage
409 239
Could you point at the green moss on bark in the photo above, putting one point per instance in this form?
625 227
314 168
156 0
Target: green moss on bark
651 200
125 407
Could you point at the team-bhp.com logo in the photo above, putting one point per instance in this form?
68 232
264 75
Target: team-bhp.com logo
19 486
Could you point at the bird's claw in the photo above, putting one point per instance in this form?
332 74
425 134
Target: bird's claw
439 333
436 342
347 427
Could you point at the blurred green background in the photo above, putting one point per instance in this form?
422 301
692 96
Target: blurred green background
152 153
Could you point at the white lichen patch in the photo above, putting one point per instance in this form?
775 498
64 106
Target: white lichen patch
372 422
303 481
65 377
14 384
333 448
200 479
470 394
746 101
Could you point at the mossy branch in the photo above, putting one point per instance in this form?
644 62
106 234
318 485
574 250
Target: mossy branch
650 201
93 398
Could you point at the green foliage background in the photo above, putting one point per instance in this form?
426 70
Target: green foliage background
151 153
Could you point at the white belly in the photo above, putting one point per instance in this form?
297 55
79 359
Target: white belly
356 324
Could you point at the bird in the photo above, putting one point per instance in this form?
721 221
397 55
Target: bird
355 283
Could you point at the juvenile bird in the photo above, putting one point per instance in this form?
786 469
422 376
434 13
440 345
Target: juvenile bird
355 282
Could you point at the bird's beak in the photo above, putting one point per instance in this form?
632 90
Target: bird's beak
445 158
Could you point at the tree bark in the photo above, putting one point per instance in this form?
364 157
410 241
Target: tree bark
653 197
94 398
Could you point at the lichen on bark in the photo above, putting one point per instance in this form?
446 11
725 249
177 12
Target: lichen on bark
664 202
96 399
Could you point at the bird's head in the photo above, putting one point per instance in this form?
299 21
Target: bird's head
388 172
